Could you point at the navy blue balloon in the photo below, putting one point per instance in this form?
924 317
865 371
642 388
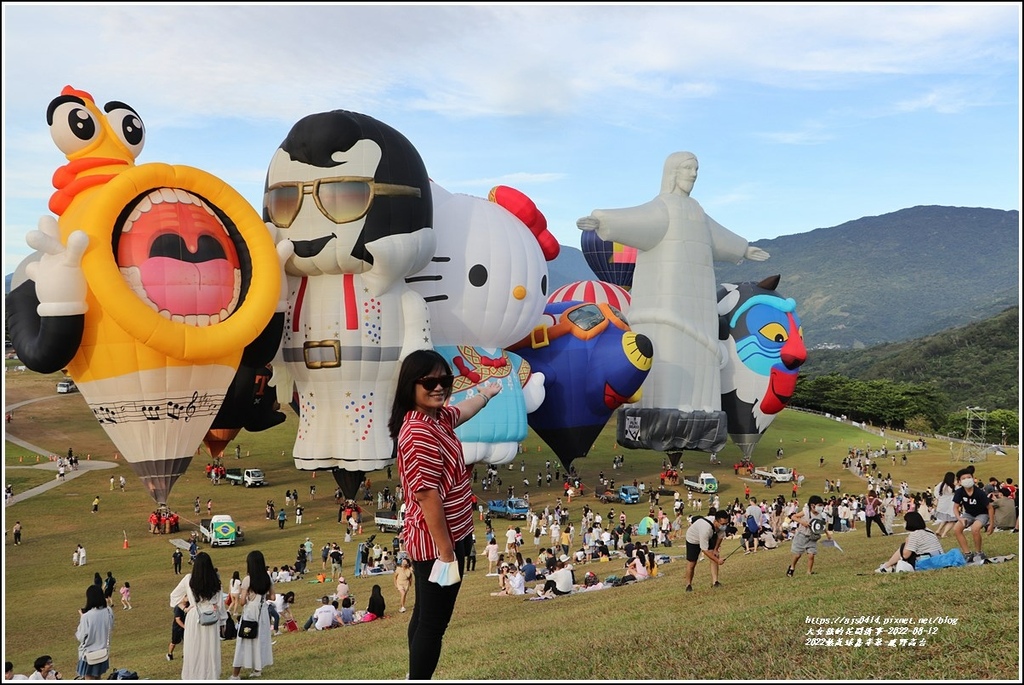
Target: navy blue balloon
600 256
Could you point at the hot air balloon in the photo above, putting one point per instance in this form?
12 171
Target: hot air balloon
148 288
610 261
765 347
673 302
353 196
251 403
592 364
598 292
486 288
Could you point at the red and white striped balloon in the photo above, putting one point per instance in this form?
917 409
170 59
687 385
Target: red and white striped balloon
593 291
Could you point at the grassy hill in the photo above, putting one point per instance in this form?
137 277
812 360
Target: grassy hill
754 628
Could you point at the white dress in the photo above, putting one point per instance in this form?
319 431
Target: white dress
200 658
944 504
256 654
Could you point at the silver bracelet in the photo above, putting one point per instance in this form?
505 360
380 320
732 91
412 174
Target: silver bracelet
486 398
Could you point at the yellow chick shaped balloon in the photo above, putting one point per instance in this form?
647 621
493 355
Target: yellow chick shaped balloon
148 287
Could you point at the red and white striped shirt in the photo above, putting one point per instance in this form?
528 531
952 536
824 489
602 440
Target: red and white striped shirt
430 458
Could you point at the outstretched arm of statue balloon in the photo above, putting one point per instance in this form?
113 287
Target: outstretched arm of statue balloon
534 391
756 254
60 282
588 223
285 250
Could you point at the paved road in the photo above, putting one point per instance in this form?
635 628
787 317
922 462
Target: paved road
83 466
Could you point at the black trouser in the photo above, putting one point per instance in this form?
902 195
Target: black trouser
432 613
877 518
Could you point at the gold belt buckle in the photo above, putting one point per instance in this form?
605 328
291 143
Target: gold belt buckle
315 354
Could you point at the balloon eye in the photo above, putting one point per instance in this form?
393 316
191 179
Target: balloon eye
775 332
478 275
73 127
127 126
544 285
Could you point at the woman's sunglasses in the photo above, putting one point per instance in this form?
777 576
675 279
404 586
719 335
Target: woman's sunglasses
431 382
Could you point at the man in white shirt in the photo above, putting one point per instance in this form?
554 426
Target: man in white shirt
323 617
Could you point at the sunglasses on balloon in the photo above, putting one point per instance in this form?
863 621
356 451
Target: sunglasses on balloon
341 199
430 383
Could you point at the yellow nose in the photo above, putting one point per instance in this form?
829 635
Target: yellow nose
519 292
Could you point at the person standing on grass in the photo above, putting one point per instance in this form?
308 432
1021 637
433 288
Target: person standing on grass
176 559
108 586
126 596
403 581
17 532
95 624
256 597
438 487
811 525
96 504
177 627
705 536
201 651
873 512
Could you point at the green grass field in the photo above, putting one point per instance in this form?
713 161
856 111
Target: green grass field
754 628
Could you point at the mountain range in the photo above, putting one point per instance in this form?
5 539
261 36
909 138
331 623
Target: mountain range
879 279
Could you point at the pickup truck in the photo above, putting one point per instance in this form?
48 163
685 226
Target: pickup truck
386 520
778 474
626 494
247 477
705 482
218 531
514 508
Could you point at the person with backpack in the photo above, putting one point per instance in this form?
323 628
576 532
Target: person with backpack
752 529
873 512
705 536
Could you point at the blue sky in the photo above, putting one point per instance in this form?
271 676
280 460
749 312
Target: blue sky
802 116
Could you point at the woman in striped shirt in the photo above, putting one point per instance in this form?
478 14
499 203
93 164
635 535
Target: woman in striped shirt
438 526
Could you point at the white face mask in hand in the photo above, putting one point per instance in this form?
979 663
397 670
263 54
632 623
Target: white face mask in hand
445 573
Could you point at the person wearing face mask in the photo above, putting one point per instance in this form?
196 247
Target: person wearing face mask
973 510
705 536
811 525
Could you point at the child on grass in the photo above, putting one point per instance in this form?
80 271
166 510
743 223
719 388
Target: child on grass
811 524
126 596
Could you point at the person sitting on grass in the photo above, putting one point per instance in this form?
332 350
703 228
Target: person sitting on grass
323 617
920 542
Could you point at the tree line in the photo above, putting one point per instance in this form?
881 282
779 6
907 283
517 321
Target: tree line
912 407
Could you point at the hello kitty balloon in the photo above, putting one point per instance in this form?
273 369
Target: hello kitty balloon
486 288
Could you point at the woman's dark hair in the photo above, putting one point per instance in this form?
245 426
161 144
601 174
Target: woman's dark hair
418 364
289 597
914 521
948 482
376 603
94 598
235 576
256 567
98 579
205 582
